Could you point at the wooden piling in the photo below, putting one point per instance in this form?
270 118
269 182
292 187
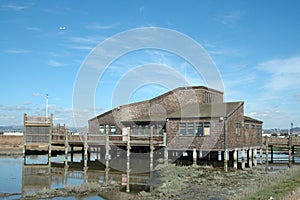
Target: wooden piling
106 175
72 153
107 148
49 154
65 178
243 159
235 158
272 154
267 153
255 157
85 146
85 174
128 162
261 156
293 154
290 151
166 156
66 147
151 149
225 157
194 157
250 157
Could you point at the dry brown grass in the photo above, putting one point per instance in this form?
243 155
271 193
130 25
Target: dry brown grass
295 195
13 141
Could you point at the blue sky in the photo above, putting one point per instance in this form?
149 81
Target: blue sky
254 44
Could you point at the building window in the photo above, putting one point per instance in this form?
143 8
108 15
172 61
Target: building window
147 130
238 129
246 126
112 129
134 130
258 129
190 129
194 129
206 128
209 97
182 128
160 129
140 130
199 129
101 129
253 126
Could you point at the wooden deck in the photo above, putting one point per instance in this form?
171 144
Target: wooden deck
290 141
100 140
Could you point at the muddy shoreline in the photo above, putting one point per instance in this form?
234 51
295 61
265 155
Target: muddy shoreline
205 182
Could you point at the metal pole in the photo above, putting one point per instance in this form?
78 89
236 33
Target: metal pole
46 106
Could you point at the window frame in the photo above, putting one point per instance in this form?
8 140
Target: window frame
238 129
182 128
206 129
113 127
199 126
196 128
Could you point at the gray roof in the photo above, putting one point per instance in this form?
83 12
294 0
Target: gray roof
206 110
154 118
250 119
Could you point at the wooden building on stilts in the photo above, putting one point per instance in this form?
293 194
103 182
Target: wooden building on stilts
188 124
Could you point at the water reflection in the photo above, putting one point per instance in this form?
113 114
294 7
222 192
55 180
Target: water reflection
38 174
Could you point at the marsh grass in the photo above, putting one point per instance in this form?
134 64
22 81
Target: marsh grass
278 186
206 182
68 190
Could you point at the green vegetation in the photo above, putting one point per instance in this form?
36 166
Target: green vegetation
205 182
279 190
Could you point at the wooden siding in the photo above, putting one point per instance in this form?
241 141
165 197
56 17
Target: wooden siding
37 129
166 104
172 101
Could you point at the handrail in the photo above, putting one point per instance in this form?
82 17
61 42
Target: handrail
37 119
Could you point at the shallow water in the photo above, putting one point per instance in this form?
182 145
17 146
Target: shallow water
20 177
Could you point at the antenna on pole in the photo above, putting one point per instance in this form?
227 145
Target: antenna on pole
46 105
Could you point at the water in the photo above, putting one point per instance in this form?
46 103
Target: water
19 179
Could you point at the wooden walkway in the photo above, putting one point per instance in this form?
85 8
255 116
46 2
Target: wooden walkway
284 142
282 145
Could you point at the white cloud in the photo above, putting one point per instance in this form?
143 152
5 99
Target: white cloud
36 94
230 19
54 63
17 51
100 26
14 108
281 74
15 7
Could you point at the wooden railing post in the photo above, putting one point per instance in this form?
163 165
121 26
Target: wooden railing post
290 150
267 152
128 161
66 146
151 148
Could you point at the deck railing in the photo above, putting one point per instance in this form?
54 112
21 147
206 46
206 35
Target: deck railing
287 141
96 139
38 119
